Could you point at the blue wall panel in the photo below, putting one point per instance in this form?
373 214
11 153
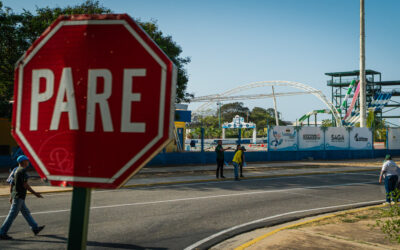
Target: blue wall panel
186 158
209 157
338 154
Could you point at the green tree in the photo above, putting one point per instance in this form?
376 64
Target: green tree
12 46
389 221
327 123
378 125
19 31
230 110
264 118
204 121
173 50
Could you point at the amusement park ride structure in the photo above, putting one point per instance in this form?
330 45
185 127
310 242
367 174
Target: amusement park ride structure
378 99
380 95
228 95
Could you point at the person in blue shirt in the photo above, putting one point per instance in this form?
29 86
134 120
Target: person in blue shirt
18 189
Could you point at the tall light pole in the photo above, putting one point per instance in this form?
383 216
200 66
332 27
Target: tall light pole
219 111
363 82
276 111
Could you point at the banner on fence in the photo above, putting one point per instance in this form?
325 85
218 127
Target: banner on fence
311 138
336 138
393 138
360 138
282 138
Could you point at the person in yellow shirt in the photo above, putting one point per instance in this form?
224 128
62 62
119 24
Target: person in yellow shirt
237 160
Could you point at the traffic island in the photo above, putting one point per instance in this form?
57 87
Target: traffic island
352 229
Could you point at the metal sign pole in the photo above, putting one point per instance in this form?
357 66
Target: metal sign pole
79 219
363 82
276 111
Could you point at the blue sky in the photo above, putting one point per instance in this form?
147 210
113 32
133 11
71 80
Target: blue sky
232 43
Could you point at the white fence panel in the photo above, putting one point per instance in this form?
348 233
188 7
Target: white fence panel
360 138
311 138
336 138
393 138
282 138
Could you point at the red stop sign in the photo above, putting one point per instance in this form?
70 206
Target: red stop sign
93 100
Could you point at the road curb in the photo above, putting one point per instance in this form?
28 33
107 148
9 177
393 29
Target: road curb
216 180
207 244
259 238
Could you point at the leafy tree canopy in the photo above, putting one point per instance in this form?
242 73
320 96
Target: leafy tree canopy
230 110
19 31
264 117
327 123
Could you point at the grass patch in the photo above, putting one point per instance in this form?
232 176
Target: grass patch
350 220
350 217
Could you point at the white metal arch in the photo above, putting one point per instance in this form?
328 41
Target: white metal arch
308 90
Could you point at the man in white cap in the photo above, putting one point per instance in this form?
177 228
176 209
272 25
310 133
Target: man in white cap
17 200
390 174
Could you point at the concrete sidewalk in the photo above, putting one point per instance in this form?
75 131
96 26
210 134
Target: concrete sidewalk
166 175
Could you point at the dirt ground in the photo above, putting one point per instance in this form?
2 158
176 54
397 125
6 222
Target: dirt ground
356 230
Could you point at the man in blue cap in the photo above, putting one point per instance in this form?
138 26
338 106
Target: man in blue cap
17 200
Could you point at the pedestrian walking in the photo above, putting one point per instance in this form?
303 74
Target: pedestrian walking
237 160
390 174
243 162
219 150
18 189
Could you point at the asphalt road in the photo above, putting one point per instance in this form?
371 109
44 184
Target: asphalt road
178 216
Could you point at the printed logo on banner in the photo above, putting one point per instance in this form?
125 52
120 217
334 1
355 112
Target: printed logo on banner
336 138
360 138
283 138
311 138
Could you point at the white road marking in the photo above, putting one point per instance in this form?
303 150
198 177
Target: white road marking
197 244
204 183
362 174
205 197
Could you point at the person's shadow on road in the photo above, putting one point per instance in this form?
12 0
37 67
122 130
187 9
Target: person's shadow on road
63 240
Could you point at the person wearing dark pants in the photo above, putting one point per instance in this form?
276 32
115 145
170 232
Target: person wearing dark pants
18 193
390 185
243 162
237 160
389 172
219 150
238 147
220 168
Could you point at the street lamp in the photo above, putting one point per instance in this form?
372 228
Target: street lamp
219 110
